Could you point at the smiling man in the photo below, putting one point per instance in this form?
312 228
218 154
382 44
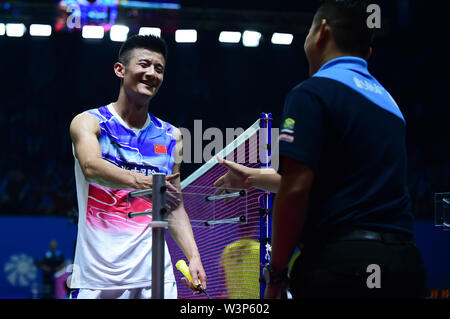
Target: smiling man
117 148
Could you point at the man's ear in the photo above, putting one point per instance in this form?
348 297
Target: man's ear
119 69
322 33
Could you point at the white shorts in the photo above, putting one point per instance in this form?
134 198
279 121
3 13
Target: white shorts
170 292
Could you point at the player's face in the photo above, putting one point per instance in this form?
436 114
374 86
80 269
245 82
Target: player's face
144 73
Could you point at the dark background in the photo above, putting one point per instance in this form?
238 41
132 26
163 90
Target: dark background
46 82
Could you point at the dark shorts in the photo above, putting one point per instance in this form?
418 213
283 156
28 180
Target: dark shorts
351 267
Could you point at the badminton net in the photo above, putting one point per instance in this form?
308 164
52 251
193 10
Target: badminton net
227 233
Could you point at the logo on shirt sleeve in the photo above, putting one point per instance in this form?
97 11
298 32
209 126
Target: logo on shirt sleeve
289 123
288 126
160 149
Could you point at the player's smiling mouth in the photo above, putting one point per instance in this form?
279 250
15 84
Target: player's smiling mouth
149 84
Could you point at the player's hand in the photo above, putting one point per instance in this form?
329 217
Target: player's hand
198 276
173 198
238 176
173 194
169 185
146 182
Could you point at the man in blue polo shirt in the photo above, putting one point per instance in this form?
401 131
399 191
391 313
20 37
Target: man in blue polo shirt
341 187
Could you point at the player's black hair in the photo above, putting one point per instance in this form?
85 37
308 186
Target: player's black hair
149 42
348 22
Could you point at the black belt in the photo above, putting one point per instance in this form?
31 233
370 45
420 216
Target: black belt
364 234
359 234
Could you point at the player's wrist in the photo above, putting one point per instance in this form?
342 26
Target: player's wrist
134 180
194 257
252 177
275 275
256 178
139 181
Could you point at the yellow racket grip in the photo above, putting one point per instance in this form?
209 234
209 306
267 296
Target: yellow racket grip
184 269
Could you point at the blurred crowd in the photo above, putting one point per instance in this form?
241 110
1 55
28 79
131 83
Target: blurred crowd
36 175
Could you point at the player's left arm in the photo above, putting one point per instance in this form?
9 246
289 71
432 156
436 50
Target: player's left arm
180 226
289 214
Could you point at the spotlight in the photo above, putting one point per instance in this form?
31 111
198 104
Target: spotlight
15 29
251 38
118 33
40 30
282 38
92 32
186 36
229 37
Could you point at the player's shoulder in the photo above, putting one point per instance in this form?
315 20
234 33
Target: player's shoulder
88 120
314 91
99 114
313 86
82 118
170 128
304 91
176 133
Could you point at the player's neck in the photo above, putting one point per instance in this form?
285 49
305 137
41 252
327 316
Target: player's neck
133 112
334 54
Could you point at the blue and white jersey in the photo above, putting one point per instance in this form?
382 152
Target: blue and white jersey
347 128
147 150
114 251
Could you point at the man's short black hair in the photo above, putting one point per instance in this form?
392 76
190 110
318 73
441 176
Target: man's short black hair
149 42
348 22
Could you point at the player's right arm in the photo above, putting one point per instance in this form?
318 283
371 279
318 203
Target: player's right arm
240 176
84 131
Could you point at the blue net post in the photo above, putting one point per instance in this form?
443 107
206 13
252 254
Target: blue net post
265 200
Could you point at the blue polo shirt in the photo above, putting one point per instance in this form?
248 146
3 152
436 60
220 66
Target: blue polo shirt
347 128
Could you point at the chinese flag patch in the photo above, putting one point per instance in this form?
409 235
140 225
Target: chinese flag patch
160 149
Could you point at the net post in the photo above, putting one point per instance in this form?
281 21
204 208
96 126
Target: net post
158 235
442 210
265 200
